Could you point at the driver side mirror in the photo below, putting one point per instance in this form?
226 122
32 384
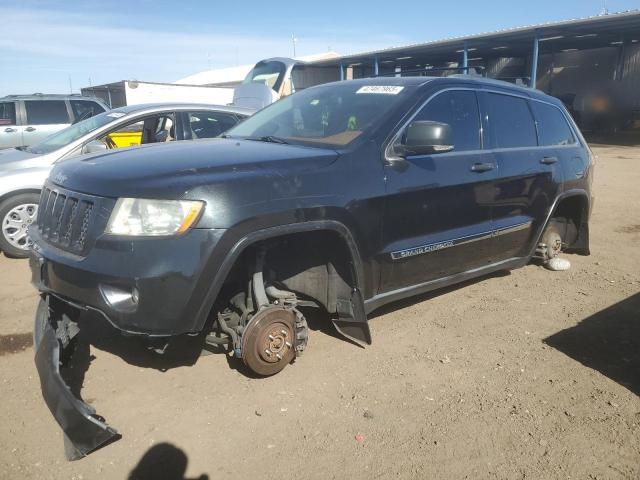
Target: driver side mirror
425 137
94 146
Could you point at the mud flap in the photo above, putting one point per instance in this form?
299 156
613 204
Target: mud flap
352 320
83 430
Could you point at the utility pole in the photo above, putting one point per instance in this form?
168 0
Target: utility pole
294 40
70 85
605 9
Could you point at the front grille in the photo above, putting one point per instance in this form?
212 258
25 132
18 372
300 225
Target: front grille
65 219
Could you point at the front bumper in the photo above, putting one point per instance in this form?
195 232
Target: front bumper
170 278
83 429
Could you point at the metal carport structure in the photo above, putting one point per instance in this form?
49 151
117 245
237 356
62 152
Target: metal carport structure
594 60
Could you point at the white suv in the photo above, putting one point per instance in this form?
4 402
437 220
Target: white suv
28 119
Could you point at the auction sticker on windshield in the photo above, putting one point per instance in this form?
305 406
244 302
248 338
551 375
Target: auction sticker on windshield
384 89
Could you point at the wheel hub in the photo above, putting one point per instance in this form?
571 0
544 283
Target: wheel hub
276 343
16 223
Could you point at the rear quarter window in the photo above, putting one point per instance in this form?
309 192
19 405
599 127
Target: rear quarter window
46 112
511 121
7 113
553 128
83 109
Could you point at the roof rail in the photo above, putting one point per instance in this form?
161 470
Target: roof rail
39 94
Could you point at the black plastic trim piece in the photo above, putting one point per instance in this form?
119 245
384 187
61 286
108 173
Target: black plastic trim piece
81 426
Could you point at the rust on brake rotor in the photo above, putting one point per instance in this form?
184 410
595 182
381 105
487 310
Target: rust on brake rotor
268 340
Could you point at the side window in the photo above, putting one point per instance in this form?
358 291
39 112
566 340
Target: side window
83 109
153 129
458 108
7 113
553 128
511 121
210 124
46 112
128 135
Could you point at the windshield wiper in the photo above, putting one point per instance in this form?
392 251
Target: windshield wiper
269 139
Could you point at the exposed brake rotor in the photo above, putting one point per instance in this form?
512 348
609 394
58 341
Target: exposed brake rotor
274 336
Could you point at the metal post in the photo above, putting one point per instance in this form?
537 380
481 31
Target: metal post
341 72
375 66
534 62
465 57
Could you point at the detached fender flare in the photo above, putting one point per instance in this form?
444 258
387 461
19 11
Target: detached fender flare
277 231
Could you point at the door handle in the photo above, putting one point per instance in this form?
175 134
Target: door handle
9 130
29 129
482 167
549 160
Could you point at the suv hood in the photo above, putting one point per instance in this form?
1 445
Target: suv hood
174 169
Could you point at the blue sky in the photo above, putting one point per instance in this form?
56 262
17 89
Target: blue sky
44 43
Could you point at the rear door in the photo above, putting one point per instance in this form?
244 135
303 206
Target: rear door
10 131
559 144
528 176
437 220
44 117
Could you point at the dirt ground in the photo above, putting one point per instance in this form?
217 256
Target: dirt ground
532 374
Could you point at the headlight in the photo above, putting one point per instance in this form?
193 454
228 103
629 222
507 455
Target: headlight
138 217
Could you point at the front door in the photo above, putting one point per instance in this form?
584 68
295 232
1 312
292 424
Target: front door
437 220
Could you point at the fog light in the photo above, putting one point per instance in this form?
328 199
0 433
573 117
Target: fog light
119 298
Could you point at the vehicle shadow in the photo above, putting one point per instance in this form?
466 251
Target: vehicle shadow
186 350
163 461
181 351
608 341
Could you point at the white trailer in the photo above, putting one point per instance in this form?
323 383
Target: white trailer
133 92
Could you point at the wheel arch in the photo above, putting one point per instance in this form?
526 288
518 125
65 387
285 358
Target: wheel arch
13 193
572 209
273 233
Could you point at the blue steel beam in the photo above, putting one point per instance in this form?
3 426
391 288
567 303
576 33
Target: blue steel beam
534 61
465 57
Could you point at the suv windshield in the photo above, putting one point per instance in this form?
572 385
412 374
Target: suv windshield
269 73
331 115
74 132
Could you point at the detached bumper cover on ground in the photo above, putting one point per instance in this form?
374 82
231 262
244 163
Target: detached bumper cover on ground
83 430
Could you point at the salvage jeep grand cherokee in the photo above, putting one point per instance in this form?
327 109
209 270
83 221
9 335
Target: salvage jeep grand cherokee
348 196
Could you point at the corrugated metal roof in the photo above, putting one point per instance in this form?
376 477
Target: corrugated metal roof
540 28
